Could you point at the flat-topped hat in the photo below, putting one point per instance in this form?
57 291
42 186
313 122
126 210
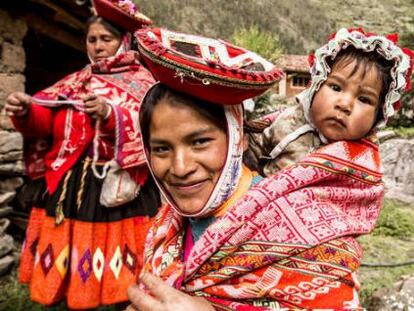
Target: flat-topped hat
122 13
210 69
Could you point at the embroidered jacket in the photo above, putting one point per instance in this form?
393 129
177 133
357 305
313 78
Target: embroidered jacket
55 138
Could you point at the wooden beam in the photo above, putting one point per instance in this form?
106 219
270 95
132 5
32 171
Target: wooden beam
55 31
62 15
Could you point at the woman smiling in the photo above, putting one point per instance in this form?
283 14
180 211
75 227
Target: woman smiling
228 239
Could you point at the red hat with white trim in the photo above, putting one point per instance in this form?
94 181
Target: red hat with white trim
122 13
210 69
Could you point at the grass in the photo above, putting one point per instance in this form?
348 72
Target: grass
396 220
15 297
391 242
404 132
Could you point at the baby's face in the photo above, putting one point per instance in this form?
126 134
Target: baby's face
345 106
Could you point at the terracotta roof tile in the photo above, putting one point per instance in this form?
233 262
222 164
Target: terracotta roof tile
297 63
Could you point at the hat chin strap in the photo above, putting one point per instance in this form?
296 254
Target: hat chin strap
231 172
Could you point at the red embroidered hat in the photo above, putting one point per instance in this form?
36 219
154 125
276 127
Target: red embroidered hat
213 70
122 13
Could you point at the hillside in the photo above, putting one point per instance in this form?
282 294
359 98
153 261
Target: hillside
300 25
383 16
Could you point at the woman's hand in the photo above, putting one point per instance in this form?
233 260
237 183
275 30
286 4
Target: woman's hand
97 107
161 297
18 104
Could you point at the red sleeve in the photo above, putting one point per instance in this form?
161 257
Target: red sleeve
107 135
37 123
108 125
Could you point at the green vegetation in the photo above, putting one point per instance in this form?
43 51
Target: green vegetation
405 132
396 220
300 25
261 42
298 32
391 242
15 297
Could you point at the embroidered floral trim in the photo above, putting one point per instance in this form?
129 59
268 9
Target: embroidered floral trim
130 8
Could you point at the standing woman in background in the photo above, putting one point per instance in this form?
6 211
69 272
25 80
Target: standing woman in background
75 247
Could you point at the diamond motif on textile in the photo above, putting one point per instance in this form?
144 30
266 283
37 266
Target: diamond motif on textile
47 259
344 263
338 149
339 225
330 251
85 266
367 160
116 263
62 261
36 259
283 233
130 259
98 264
74 260
310 215
33 246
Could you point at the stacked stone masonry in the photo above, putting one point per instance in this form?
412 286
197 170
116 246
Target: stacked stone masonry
12 65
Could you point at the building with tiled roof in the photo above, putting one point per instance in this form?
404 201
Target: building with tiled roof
297 76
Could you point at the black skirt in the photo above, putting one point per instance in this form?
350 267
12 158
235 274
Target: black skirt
79 196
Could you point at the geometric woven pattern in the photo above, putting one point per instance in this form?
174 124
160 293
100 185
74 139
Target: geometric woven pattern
85 266
62 261
116 262
130 259
74 243
98 264
47 259
289 239
33 246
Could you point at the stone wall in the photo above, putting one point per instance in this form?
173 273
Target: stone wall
397 156
12 65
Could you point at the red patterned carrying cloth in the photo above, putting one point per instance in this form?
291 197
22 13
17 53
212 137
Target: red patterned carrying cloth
289 242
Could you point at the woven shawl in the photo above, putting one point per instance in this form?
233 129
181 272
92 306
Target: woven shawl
289 242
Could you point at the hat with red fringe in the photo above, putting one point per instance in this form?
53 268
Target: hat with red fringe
122 13
366 41
213 70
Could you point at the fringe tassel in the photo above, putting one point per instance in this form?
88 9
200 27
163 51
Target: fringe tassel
86 163
59 209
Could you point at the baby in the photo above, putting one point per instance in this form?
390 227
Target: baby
357 81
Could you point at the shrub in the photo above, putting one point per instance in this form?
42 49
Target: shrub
264 43
395 220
